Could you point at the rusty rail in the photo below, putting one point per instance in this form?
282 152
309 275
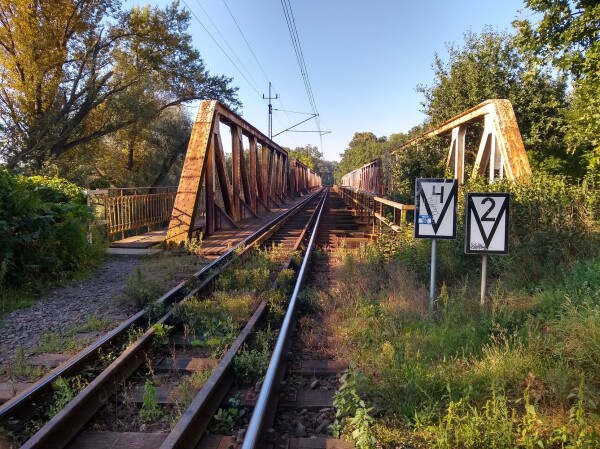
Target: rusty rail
63 427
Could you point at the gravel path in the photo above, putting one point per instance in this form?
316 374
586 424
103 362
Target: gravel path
66 307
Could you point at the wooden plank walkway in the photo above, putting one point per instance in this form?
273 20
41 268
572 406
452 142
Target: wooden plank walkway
149 239
212 246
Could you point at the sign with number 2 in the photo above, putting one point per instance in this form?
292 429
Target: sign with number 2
487 223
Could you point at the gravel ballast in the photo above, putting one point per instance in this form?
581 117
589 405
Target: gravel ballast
69 306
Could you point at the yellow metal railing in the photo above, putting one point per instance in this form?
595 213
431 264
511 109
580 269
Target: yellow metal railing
127 209
387 212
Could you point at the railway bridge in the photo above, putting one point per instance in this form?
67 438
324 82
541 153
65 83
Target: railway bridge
262 201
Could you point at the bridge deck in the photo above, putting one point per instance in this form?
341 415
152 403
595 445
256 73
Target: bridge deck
213 245
216 244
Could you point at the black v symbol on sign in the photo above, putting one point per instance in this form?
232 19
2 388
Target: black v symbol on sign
437 223
487 239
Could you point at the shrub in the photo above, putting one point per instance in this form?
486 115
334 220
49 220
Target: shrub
43 228
550 220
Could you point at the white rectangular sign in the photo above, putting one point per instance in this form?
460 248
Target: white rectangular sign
435 208
486 225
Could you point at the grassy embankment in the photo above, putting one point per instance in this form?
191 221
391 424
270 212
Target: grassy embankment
524 371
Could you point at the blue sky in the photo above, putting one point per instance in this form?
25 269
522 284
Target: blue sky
364 59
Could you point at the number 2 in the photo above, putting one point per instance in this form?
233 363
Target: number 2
485 217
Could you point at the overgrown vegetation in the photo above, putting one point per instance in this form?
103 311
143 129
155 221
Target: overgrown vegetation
250 364
155 276
549 221
214 322
521 372
44 235
226 419
67 340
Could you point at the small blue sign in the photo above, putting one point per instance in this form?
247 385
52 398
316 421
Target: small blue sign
425 219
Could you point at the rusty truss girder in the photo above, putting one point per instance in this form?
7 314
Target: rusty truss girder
301 179
500 153
368 178
258 178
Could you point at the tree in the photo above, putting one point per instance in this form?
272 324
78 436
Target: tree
308 155
568 37
326 169
75 71
362 149
489 65
159 149
313 159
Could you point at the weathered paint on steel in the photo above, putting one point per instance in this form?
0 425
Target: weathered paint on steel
182 217
501 149
250 185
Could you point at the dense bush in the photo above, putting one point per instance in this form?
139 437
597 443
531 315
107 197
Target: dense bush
42 228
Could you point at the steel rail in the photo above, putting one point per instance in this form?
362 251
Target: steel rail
23 406
264 404
58 432
189 429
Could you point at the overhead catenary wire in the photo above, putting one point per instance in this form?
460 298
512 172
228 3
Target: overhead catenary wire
291 23
221 48
227 43
260 66
247 76
245 40
255 86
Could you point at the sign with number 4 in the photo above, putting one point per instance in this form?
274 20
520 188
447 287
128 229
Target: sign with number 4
435 208
486 224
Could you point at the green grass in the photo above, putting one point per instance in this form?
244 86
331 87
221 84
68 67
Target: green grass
20 369
14 299
461 376
156 275
67 340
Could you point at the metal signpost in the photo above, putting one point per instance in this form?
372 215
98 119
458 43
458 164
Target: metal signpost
435 216
486 228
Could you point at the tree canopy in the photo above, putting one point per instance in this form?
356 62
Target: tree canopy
489 65
308 155
75 71
365 147
568 38
313 159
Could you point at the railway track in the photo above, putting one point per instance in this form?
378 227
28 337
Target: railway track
294 408
21 410
310 391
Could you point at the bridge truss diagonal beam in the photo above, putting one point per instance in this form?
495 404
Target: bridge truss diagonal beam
500 153
224 191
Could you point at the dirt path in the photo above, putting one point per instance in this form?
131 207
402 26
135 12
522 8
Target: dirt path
68 306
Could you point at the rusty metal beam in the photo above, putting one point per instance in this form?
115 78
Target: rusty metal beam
209 190
183 215
236 161
222 175
501 151
252 186
502 126
368 178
